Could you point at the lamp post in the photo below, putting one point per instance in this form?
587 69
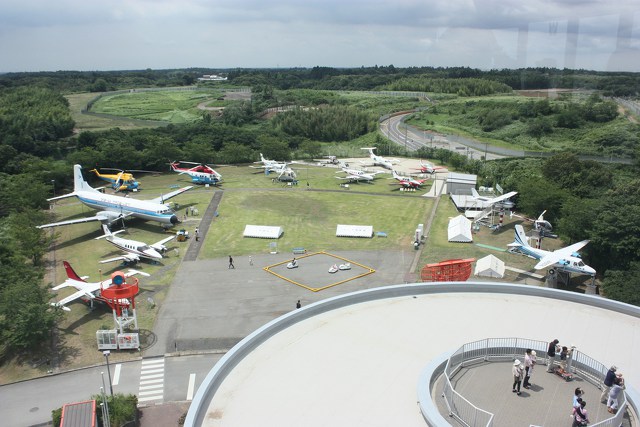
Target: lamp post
106 355
53 185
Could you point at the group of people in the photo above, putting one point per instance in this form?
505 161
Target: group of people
563 351
524 370
613 383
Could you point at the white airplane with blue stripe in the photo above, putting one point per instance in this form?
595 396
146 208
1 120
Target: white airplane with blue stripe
565 259
112 208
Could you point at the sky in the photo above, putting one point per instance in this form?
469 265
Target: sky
51 35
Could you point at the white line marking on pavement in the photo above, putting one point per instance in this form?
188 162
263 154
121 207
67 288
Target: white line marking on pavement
152 392
192 383
116 374
152 371
157 380
151 387
148 377
147 399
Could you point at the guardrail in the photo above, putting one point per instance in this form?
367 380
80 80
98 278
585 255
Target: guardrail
507 349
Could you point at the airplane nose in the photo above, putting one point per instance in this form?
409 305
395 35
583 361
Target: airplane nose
174 219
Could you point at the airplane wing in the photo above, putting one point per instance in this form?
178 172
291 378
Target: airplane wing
64 196
160 245
560 254
123 257
167 196
99 217
74 296
503 197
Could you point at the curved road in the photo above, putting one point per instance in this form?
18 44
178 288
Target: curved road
412 139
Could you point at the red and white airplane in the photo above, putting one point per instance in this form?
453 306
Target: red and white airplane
86 291
408 182
429 168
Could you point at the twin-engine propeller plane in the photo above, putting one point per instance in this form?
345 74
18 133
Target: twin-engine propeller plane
429 168
112 208
407 182
565 259
379 160
357 175
134 250
86 291
121 181
200 174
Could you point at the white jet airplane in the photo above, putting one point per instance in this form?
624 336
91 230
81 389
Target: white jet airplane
112 208
379 160
565 259
502 200
356 175
134 249
86 291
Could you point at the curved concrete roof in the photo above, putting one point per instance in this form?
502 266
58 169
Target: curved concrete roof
356 359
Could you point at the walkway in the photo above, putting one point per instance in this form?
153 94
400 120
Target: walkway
194 247
546 403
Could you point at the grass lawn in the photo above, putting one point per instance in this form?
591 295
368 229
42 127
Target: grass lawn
87 122
170 106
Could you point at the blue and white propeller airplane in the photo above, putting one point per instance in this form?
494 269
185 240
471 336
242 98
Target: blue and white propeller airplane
112 208
565 259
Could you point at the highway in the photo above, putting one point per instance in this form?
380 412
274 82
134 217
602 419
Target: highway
412 139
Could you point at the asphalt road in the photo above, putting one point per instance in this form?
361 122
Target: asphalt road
406 136
29 403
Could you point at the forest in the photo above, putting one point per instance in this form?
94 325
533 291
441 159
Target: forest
586 199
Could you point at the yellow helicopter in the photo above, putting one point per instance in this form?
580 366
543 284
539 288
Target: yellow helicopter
121 181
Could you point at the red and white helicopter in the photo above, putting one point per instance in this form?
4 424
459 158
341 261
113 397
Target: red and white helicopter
408 182
200 174
86 291
429 168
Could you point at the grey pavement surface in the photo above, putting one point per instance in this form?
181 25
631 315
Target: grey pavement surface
547 403
211 307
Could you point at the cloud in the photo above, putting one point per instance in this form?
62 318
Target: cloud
126 34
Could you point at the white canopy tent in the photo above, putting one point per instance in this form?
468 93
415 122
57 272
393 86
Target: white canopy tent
489 266
460 230
343 230
263 231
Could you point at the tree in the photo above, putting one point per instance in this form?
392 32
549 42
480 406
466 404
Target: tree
536 195
615 235
623 285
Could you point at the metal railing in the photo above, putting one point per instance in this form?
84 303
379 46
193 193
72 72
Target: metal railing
507 349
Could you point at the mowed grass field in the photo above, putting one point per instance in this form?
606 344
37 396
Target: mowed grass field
169 106
87 122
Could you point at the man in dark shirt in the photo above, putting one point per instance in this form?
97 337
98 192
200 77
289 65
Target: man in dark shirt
608 382
551 352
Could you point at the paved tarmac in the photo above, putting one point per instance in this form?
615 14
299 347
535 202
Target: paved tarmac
212 307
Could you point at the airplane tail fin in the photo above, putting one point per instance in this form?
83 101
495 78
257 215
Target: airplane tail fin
521 237
107 232
475 194
71 272
79 184
262 159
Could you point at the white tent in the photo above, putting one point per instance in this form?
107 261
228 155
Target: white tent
344 230
489 266
460 230
263 231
